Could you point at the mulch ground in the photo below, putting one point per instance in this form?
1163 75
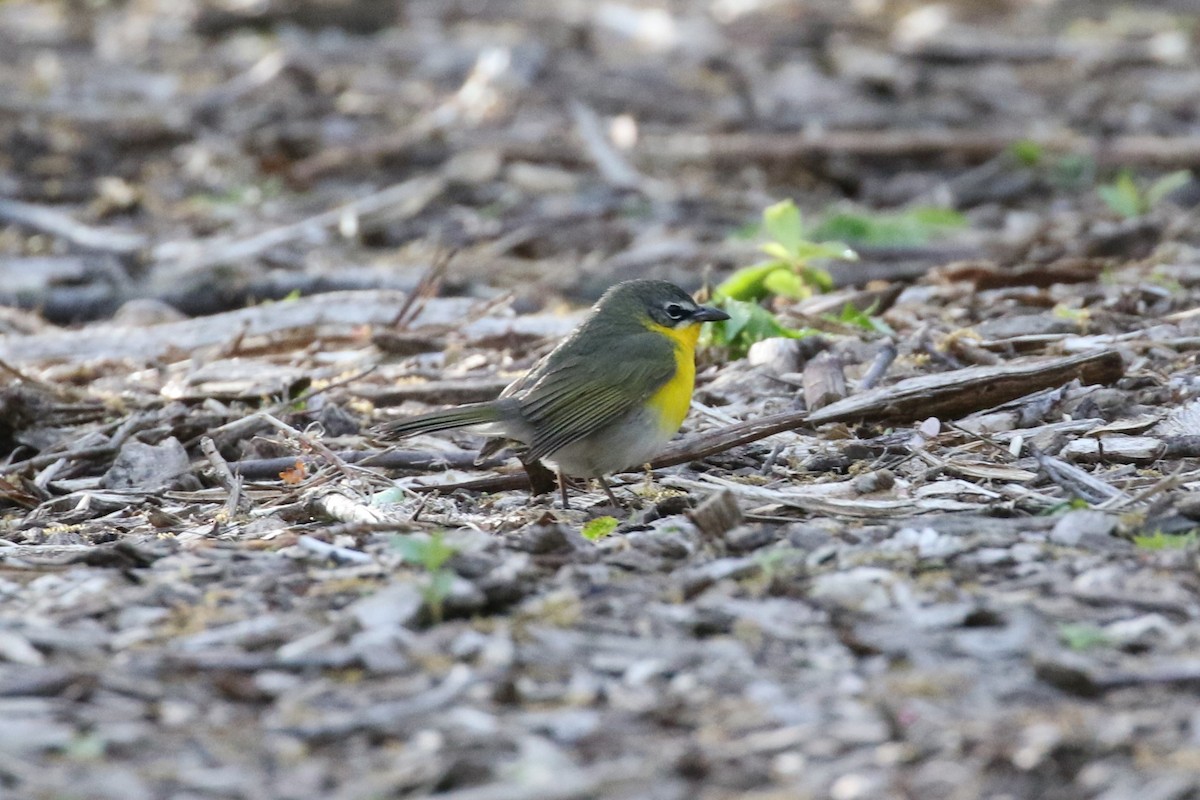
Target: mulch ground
952 555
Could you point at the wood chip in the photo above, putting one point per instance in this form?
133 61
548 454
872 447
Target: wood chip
824 381
953 394
1115 449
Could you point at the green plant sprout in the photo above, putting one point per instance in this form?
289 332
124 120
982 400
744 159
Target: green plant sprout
1079 316
596 529
1166 541
1081 636
865 319
1074 504
908 228
788 272
1125 197
1072 171
790 269
1028 152
431 554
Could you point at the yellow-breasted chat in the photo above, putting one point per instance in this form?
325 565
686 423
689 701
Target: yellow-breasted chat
607 398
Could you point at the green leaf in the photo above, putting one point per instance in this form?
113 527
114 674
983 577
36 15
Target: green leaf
1082 636
762 324
852 315
937 217
429 552
436 590
1165 185
1122 196
86 747
748 232
596 529
1073 171
747 324
1074 504
818 277
913 226
739 312
389 496
807 251
1166 541
439 584
783 224
1028 152
747 282
777 251
785 283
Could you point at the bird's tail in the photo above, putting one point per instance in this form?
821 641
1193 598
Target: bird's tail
458 417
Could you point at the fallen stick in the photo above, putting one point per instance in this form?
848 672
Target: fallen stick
963 44
62 225
611 165
256 469
959 393
403 200
738 148
306 318
954 394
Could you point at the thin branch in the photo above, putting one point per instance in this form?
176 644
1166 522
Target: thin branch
739 148
53 222
231 482
405 199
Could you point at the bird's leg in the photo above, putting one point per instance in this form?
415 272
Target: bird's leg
612 498
562 487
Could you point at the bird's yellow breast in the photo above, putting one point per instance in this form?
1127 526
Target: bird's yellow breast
675 396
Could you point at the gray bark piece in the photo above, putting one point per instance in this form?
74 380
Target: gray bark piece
147 467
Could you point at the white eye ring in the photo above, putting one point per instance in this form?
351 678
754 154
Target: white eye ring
675 311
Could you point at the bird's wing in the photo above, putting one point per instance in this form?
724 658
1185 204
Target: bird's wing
572 400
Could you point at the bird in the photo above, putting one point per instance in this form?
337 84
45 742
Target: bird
606 399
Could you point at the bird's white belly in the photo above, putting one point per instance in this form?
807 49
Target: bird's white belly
625 445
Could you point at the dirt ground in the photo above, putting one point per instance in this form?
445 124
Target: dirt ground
944 547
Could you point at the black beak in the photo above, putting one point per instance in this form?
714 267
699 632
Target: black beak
708 314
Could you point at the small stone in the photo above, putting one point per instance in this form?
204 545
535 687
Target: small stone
855 786
507 583
717 514
1074 526
1023 552
865 589
468 644
379 650
807 536
142 312
926 541
395 605
463 598
556 538
147 467
275 683
745 538
777 354
1144 632
16 649
992 556
27 736
539 179
473 167
666 540
698 579
879 480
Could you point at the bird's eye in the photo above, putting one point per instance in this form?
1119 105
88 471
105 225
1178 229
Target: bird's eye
675 311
